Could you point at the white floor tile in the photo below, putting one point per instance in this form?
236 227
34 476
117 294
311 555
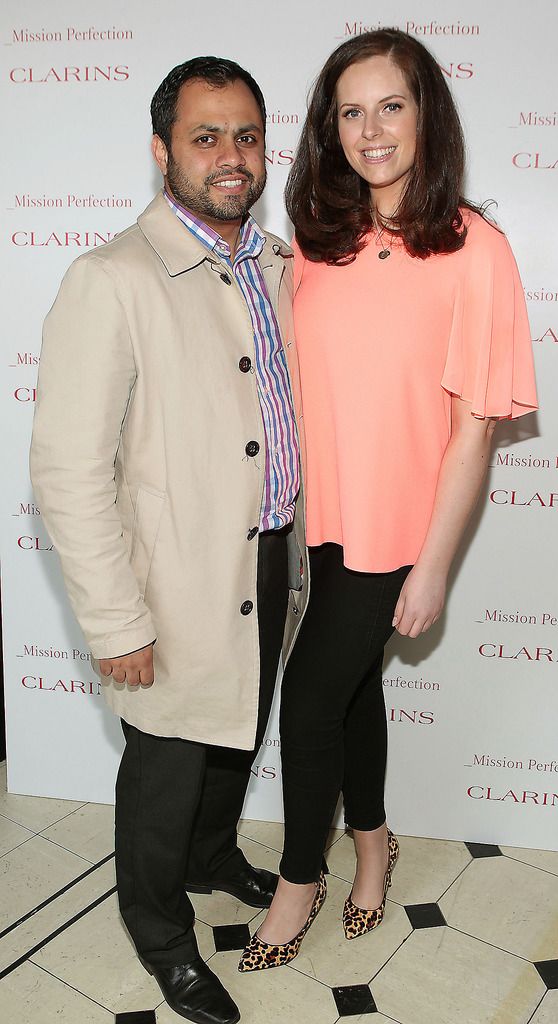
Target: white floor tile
31 873
30 996
511 905
545 859
258 855
547 1013
35 812
57 913
425 869
97 958
441 977
269 833
12 835
89 832
365 1018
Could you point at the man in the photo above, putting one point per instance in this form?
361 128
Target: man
165 460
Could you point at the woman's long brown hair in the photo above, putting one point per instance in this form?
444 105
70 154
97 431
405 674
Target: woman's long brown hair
329 203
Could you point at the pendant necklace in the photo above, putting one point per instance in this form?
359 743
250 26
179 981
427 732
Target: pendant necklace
384 252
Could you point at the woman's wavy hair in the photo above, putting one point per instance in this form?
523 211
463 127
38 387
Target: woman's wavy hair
329 203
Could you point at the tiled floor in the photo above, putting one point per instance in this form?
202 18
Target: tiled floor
470 935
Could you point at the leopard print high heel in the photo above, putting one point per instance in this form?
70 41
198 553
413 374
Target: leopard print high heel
357 921
259 956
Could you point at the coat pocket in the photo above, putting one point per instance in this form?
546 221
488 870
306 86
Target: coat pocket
147 519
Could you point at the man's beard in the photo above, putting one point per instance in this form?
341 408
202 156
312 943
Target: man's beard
199 200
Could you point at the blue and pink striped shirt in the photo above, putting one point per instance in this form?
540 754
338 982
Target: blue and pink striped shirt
282 474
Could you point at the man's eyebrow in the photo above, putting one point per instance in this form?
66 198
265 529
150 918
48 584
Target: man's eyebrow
213 129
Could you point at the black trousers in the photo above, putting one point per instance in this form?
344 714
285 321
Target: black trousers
178 802
333 720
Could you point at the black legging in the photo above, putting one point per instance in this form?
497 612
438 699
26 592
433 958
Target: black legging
333 720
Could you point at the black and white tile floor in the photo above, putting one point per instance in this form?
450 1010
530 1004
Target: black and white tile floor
470 935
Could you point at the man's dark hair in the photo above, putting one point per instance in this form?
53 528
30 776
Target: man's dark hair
216 71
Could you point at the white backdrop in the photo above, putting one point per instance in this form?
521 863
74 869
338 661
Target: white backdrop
473 706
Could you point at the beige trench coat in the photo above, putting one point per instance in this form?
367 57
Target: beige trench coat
139 467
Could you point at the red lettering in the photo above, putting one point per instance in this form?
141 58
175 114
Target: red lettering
498 501
472 795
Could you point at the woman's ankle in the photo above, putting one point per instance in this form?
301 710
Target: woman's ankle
372 843
288 912
294 891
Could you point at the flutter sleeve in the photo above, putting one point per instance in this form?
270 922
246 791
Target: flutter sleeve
489 360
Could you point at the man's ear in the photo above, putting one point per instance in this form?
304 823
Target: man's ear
160 154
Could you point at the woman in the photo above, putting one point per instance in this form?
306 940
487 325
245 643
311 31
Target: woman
413 340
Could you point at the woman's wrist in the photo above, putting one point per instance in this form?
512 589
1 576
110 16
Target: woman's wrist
435 564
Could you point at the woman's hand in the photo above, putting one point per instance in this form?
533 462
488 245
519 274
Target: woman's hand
462 472
420 602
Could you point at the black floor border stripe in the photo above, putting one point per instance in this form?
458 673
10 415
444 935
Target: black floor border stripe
55 895
53 935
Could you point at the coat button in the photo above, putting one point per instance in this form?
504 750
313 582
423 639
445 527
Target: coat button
225 278
244 364
252 448
246 607
252 533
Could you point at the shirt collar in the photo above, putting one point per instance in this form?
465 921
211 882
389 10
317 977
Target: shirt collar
250 243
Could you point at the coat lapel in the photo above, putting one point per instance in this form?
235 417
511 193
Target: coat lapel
176 247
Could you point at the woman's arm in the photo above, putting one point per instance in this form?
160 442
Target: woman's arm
462 472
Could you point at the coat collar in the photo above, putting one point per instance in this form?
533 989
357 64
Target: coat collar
180 251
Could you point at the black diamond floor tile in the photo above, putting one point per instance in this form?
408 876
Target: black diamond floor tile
548 970
136 1017
483 850
231 936
353 999
425 915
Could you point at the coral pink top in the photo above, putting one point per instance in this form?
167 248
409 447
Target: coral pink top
383 345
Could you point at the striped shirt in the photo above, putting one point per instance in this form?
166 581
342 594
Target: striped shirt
282 475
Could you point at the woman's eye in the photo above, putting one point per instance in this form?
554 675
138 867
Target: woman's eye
352 113
392 106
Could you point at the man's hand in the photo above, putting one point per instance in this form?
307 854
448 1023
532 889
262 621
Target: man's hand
136 669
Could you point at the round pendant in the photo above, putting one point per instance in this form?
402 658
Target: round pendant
383 255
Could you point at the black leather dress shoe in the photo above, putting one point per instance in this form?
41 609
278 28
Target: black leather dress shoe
253 886
195 992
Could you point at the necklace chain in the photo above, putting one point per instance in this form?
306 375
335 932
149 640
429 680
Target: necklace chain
385 251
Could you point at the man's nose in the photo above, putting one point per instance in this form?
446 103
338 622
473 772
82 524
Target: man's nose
230 154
